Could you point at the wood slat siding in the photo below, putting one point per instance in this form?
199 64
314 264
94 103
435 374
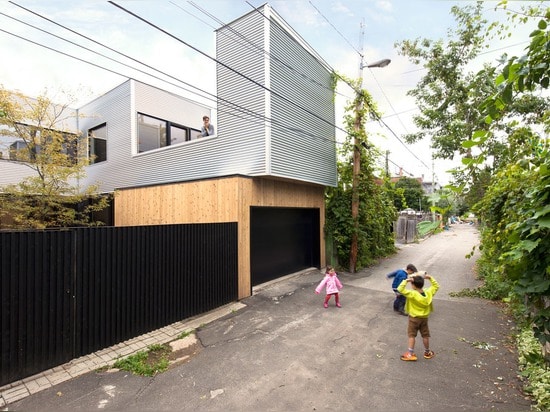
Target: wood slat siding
214 201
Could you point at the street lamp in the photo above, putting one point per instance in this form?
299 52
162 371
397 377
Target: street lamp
357 164
378 63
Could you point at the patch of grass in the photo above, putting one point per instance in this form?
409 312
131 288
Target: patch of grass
147 362
468 293
184 334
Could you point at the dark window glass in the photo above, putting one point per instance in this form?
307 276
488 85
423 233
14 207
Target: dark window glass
98 143
154 133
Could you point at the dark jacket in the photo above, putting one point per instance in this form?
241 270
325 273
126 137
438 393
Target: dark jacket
399 275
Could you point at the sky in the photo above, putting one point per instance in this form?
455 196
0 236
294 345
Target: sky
176 43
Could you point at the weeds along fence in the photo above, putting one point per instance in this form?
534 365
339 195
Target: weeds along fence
67 293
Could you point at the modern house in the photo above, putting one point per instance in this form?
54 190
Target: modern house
266 167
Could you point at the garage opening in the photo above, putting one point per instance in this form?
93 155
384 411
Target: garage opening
283 241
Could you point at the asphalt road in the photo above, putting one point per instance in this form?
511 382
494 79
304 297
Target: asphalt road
285 352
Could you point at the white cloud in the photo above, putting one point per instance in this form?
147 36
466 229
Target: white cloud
341 8
384 5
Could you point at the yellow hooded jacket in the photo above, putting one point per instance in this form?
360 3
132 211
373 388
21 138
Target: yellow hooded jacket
419 305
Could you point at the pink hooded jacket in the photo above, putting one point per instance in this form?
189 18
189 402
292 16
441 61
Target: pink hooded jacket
332 283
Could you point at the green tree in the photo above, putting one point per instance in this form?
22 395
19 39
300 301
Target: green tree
397 194
447 94
414 195
516 211
451 99
51 195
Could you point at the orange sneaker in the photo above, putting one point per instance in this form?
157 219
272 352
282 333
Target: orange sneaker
408 356
428 354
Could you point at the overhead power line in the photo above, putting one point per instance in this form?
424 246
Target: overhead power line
212 97
224 65
259 117
260 51
378 118
335 29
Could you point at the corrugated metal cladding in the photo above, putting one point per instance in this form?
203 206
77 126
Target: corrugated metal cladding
300 129
303 99
241 100
14 172
198 159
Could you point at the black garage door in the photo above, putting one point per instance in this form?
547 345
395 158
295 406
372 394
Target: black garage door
282 241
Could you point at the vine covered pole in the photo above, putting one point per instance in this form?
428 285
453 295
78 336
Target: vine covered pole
355 182
358 129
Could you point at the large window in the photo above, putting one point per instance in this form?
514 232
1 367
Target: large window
97 149
154 133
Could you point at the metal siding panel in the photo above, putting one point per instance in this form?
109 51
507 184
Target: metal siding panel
13 172
240 153
241 102
307 151
246 118
294 74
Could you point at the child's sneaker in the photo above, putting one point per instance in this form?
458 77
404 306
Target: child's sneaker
325 305
338 305
428 354
408 356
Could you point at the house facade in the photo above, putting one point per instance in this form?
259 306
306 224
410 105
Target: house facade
266 167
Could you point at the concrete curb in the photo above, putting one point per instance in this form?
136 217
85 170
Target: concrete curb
20 389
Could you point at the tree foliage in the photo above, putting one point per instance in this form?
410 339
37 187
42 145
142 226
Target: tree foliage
414 195
46 144
447 94
452 100
516 208
376 210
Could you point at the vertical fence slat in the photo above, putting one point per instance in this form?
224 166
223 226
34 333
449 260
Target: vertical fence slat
68 293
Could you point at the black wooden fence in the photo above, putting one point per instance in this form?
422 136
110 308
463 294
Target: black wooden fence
68 293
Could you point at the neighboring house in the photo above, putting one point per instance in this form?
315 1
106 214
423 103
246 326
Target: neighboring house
266 168
430 187
427 187
14 151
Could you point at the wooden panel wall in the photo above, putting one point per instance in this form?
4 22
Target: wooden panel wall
214 201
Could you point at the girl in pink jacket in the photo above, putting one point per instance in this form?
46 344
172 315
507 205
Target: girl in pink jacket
332 284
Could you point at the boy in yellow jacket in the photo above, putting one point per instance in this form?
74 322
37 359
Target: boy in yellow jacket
419 305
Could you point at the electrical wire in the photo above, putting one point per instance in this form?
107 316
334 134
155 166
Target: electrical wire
335 29
262 118
261 52
225 65
378 118
213 97
372 111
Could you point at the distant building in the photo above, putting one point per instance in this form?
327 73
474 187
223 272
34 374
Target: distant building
427 186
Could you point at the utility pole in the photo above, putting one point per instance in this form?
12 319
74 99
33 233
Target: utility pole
358 126
433 188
